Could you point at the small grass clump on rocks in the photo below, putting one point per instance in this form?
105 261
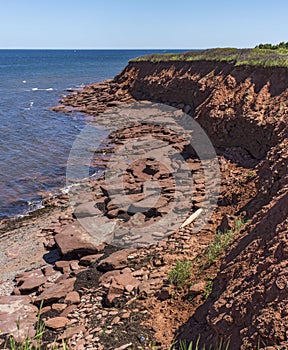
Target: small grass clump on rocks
181 273
222 241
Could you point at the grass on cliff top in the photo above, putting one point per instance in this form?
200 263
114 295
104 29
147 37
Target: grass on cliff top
238 57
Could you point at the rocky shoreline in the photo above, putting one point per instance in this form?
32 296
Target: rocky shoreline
98 296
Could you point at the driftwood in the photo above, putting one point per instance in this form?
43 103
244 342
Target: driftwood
192 218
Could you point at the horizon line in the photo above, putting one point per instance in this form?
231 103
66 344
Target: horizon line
100 48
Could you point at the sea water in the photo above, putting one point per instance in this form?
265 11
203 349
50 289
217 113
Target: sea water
35 141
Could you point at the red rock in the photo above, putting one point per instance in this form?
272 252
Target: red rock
48 271
68 333
59 306
116 260
57 291
45 309
164 294
63 265
86 209
30 280
126 315
126 279
16 310
116 320
74 265
67 311
56 322
72 298
144 289
107 277
197 288
115 291
75 239
16 291
12 253
90 259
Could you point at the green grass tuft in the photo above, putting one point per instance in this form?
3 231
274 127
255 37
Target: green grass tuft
222 241
181 273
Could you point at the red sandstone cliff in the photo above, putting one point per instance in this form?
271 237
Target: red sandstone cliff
243 109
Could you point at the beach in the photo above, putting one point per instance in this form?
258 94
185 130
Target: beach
106 272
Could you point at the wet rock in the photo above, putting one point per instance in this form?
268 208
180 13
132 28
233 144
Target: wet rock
15 310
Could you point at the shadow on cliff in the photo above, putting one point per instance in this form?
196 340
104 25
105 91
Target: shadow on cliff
252 272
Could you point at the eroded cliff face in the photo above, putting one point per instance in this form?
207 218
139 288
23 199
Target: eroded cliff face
244 110
237 106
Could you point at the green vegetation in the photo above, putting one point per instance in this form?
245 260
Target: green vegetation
184 346
221 241
265 57
209 287
280 47
34 343
181 273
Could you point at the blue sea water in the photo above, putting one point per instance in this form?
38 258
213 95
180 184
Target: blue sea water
35 141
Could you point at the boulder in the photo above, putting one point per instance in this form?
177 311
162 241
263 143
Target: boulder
57 290
86 210
74 239
17 316
117 260
30 280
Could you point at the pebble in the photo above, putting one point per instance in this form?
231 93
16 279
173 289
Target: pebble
113 313
115 320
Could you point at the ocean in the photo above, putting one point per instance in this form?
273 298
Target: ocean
35 141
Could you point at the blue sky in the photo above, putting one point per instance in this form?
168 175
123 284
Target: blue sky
141 24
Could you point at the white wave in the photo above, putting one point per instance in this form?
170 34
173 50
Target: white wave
38 89
33 205
24 81
68 188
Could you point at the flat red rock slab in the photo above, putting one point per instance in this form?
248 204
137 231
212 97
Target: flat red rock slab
57 290
56 322
17 316
30 280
